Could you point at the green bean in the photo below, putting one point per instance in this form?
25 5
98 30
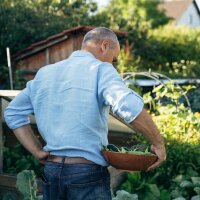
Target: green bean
136 149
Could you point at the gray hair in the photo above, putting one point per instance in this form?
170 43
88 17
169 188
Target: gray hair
99 34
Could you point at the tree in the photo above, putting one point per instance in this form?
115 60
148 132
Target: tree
28 21
123 14
154 43
25 22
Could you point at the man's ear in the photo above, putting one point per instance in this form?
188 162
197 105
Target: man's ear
104 46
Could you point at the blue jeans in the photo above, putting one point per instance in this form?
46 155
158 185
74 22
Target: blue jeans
75 182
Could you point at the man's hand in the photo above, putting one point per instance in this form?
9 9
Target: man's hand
27 138
42 156
161 153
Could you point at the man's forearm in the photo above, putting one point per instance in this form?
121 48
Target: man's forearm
27 138
144 124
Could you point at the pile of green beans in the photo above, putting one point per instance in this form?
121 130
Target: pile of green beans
136 149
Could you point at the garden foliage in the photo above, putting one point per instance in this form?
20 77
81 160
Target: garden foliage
17 158
168 49
27 185
154 42
124 195
179 176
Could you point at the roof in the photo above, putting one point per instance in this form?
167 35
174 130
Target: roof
175 8
37 46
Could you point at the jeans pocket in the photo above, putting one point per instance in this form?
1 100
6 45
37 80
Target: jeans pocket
51 169
86 191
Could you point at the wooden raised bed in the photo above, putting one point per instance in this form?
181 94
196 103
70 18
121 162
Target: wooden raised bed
8 185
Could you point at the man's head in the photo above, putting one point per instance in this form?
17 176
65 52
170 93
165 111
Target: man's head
102 43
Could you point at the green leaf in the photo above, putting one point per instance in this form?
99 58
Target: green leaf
186 184
158 88
112 147
123 149
197 190
128 186
27 185
178 178
179 198
189 87
197 197
154 189
175 193
134 177
164 195
123 195
196 181
148 196
191 172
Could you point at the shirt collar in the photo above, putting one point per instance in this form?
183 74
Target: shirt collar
81 53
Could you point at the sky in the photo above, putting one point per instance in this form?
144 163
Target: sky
102 3
198 3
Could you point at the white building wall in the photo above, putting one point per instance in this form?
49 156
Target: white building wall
190 17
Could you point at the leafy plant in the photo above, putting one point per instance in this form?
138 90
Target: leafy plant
180 128
123 195
8 196
27 185
184 124
187 186
163 49
17 159
136 149
194 98
146 189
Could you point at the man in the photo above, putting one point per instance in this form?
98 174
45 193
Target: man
71 101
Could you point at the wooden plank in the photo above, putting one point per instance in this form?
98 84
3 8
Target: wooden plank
8 180
37 49
47 56
9 93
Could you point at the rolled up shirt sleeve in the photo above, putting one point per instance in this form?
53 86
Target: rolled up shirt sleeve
16 114
112 92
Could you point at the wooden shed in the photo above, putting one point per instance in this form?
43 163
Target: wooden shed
51 50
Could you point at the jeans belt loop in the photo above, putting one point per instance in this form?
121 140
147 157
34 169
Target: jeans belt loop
63 160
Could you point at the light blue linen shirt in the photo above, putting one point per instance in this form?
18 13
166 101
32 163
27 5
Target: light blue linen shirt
71 101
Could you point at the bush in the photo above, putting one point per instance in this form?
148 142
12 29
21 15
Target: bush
167 49
194 98
4 77
17 159
175 50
